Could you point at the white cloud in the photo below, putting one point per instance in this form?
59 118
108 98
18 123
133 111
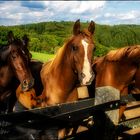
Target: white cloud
130 15
9 12
124 16
85 6
22 12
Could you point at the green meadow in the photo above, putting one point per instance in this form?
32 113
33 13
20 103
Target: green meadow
44 57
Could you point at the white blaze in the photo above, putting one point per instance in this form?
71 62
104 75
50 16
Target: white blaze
86 65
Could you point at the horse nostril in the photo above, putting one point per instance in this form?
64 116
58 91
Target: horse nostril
83 75
25 83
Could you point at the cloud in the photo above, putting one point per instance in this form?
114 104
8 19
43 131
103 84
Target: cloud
22 12
73 10
123 16
89 6
34 5
15 13
130 15
8 11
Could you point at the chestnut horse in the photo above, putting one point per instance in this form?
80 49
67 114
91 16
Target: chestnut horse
13 68
71 64
119 68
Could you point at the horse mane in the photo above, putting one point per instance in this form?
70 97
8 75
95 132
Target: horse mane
61 53
129 52
86 32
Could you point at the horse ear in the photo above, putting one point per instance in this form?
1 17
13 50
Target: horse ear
25 40
10 37
76 27
91 27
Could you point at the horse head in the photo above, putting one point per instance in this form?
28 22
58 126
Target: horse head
81 49
15 56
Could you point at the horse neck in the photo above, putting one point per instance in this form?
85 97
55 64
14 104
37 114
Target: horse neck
58 80
8 82
114 74
7 75
63 68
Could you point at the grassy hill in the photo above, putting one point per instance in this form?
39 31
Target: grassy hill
49 36
42 56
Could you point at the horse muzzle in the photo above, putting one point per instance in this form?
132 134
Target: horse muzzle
86 80
27 84
91 79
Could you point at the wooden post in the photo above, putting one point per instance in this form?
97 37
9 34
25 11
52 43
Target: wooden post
108 120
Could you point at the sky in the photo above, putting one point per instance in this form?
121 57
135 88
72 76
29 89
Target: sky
102 12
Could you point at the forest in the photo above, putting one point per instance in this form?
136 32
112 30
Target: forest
47 37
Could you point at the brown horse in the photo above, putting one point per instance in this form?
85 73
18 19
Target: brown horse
29 99
19 60
71 64
14 67
119 68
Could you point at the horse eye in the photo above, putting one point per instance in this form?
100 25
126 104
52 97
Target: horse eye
74 48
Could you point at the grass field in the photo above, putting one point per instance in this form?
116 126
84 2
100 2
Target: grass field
42 56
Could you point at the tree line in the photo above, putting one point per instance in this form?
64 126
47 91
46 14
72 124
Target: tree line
47 37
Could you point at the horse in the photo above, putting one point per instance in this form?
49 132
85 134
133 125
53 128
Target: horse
72 63
29 99
70 68
119 68
13 70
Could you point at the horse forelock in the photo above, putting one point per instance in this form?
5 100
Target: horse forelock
86 32
17 42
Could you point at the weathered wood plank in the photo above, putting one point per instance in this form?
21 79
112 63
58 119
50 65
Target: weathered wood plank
132 134
133 113
133 131
135 103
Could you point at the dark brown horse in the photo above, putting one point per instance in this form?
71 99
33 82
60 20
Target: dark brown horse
119 68
29 99
13 68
